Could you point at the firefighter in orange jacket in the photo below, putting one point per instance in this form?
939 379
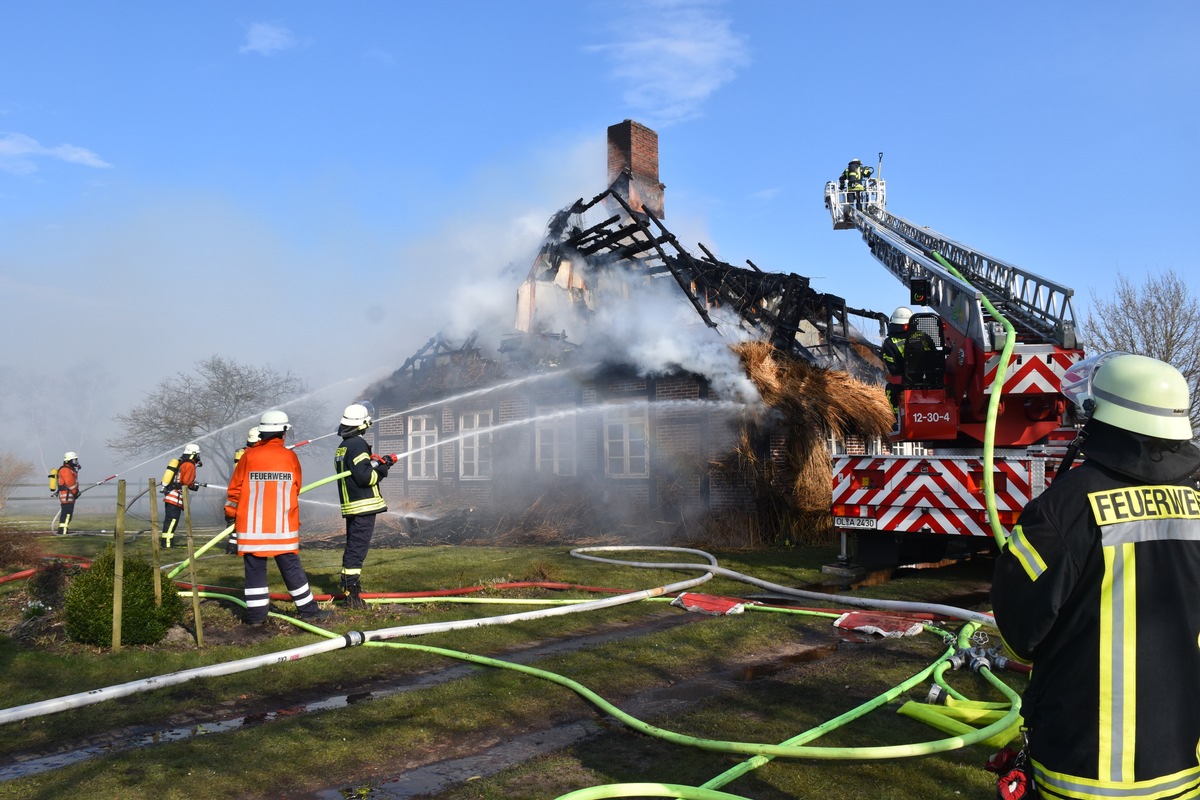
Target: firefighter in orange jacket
176 477
264 500
231 540
68 490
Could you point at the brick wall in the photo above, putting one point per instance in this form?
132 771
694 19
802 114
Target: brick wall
683 442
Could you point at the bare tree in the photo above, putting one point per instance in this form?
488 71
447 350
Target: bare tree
1160 319
12 471
214 405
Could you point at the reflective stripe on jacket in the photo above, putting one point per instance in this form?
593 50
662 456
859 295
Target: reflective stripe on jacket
186 476
1099 586
68 484
852 179
892 354
264 499
359 491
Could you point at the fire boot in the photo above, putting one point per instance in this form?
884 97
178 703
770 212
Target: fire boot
352 590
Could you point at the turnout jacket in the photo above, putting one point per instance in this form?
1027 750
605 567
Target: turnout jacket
184 476
892 354
1100 587
264 500
359 491
68 484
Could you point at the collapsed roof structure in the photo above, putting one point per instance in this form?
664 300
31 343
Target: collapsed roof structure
625 435
781 309
621 230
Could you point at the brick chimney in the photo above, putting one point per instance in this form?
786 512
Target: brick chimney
633 166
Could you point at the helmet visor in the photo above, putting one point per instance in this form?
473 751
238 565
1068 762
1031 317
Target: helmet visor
1076 384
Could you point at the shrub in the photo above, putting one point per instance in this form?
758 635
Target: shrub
89 604
48 585
18 549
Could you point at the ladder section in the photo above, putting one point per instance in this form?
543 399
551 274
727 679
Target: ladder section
1040 309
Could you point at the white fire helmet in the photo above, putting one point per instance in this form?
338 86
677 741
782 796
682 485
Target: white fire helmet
252 436
191 449
1135 393
69 456
273 421
358 415
901 316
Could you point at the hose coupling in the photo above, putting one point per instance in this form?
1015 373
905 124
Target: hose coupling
980 660
354 638
997 657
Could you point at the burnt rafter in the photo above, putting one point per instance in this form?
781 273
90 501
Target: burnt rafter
776 307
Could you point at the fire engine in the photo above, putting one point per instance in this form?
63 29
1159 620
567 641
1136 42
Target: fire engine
962 418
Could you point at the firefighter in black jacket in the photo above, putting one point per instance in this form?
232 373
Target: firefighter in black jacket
1099 586
854 180
892 355
359 493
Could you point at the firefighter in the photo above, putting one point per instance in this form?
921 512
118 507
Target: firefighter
67 488
892 355
359 493
1099 587
264 500
180 472
231 539
854 180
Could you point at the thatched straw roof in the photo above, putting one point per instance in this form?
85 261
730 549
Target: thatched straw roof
810 402
811 398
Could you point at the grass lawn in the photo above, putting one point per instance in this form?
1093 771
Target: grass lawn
746 678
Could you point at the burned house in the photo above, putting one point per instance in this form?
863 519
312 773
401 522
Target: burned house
571 402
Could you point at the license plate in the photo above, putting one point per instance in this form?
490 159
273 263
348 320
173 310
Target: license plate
854 522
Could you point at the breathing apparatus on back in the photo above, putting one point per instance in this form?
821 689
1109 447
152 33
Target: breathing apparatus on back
170 475
70 459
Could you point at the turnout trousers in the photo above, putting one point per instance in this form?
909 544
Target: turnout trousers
258 596
359 530
171 515
64 516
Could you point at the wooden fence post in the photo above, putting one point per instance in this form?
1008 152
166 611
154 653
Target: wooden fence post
191 550
118 566
154 543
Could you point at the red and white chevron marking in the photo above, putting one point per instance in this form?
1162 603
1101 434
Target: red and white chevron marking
1039 368
927 494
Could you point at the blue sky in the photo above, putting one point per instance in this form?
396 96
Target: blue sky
299 183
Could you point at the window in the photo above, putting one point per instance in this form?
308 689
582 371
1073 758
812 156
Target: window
475 450
422 449
555 442
625 442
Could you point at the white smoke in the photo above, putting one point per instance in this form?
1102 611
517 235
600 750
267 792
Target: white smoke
649 324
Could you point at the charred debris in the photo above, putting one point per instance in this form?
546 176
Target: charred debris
687 473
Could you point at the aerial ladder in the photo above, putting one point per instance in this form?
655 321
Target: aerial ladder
967 307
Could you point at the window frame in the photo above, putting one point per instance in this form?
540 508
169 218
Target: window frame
556 428
428 437
475 449
627 419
